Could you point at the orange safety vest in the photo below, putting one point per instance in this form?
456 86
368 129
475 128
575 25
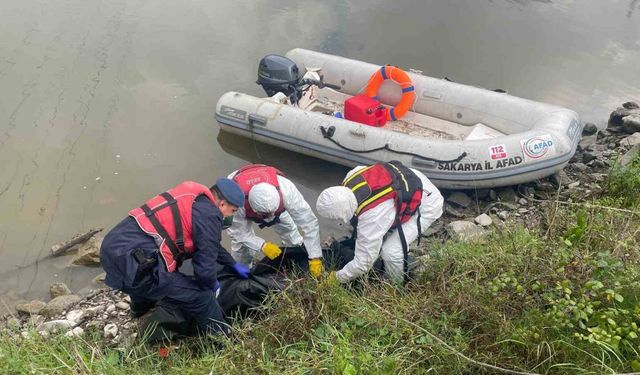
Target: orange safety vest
167 218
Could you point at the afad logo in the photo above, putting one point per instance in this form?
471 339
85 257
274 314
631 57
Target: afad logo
537 147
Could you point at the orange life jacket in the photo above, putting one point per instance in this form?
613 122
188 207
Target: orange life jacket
167 218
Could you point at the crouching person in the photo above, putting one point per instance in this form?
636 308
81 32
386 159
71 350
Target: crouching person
271 199
143 253
389 206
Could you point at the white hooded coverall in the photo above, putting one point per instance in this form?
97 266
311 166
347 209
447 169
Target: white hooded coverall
297 215
376 222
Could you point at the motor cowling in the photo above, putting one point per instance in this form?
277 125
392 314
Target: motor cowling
280 74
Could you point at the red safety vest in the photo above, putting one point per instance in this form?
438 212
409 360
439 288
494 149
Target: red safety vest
383 181
251 175
379 183
167 218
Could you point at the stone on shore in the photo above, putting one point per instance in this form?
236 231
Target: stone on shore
110 331
630 155
55 326
507 195
59 289
76 332
589 129
631 140
460 199
122 305
465 230
484 220
32 307
76 316
60 304
89 253
631 124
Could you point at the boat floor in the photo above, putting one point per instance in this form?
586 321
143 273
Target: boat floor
328 101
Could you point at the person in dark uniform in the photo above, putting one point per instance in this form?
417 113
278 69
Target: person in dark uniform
143 253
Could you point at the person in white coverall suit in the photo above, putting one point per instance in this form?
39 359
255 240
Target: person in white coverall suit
373 237
273 200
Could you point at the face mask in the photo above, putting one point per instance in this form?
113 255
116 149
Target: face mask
227 221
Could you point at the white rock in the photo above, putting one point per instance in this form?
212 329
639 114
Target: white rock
503 215
76 332
522 201
55 325
44 334
111 308
484 220
122 305
25 334
75 316
127 299
110 330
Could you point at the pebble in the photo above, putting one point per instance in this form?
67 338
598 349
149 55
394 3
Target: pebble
76 332
110 330
523 201
122 305
32 307
127 299
75 316
59 289
484 220
503 215
55 325
111 308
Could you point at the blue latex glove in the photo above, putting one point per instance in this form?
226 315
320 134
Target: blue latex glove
242 270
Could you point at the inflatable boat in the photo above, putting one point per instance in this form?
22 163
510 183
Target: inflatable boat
353 113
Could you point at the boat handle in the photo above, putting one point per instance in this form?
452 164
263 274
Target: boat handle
257 120
423 162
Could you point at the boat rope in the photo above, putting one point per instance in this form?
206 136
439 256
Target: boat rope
327 133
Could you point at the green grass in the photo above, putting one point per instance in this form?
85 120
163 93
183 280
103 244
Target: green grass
561 299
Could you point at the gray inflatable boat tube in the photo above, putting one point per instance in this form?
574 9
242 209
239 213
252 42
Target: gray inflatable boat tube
490 139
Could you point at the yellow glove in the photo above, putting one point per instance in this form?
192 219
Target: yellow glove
271 250
316 267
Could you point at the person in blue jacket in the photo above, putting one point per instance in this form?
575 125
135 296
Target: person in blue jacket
143 253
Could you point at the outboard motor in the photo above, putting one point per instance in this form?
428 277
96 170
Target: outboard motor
279 74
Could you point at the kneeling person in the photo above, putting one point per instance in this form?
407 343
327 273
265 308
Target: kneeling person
143 253
389 206
271 199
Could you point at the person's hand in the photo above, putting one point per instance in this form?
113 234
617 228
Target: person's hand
242 270
271 250
316 267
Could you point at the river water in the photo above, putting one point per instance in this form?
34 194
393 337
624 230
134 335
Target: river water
103 104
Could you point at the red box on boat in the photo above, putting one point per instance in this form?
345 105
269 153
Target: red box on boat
365 110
